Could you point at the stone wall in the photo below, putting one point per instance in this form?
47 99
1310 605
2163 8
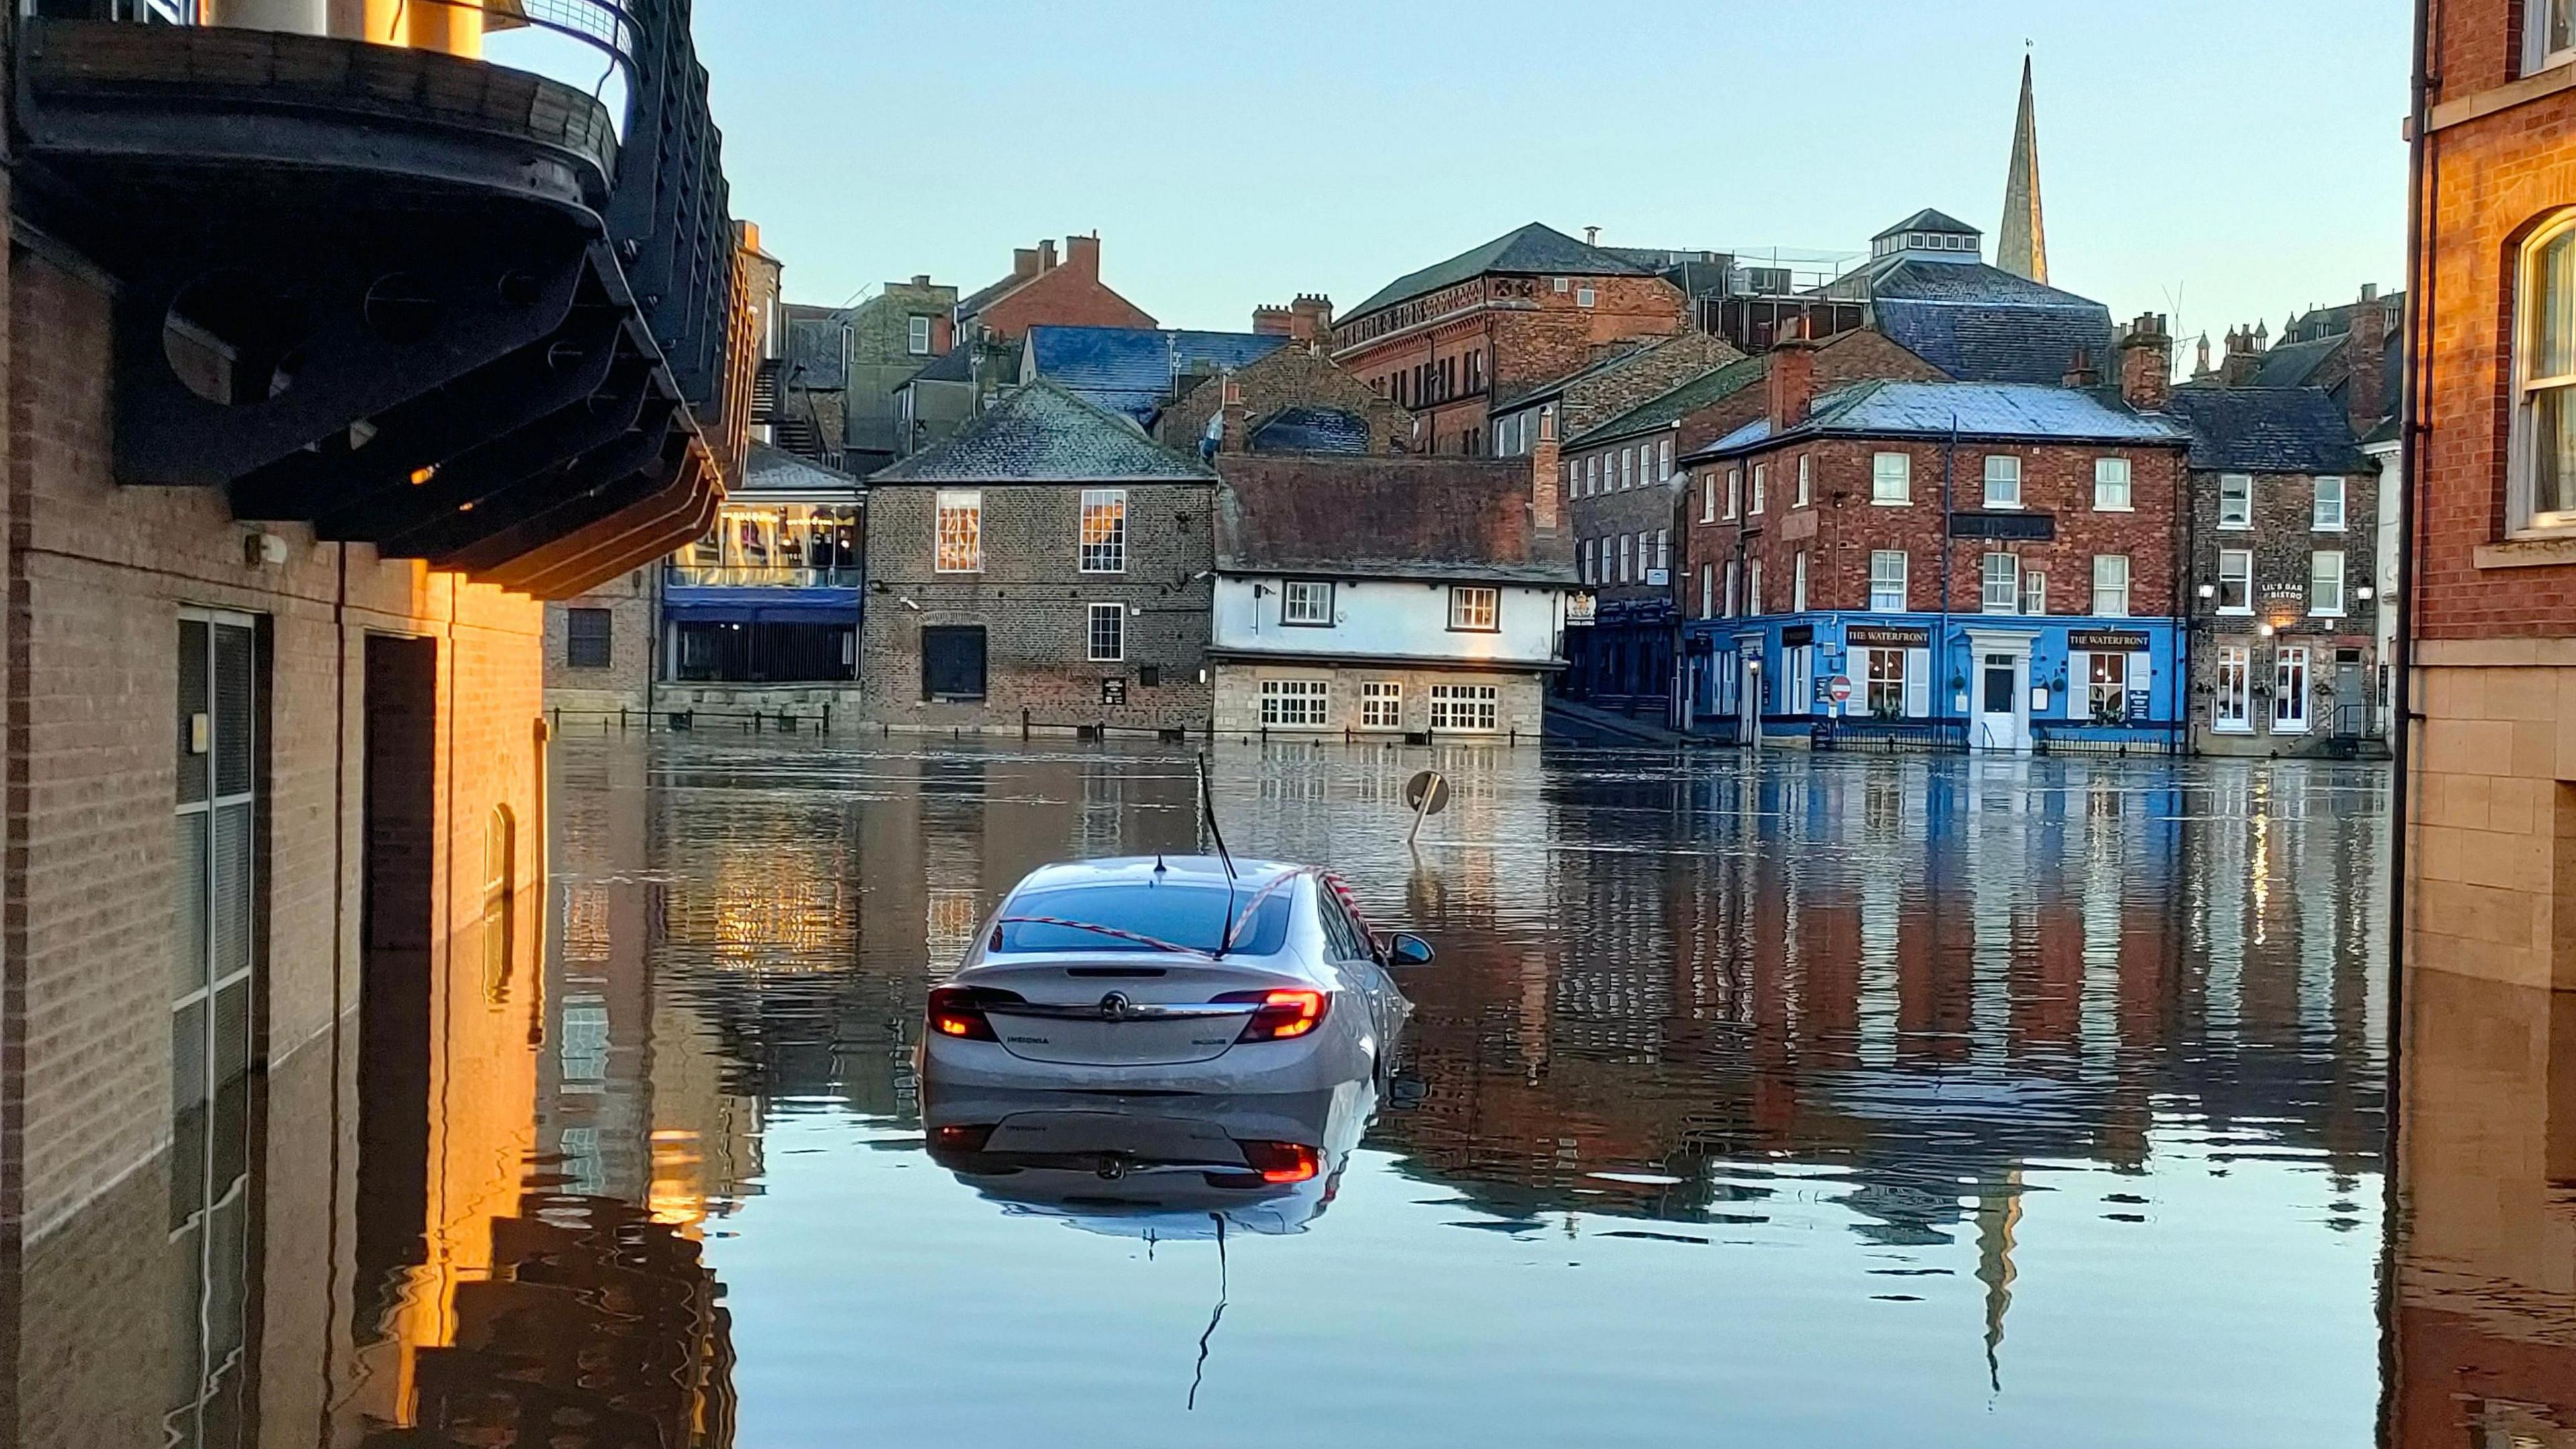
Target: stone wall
634 627
2282 538
1033 603
1520 698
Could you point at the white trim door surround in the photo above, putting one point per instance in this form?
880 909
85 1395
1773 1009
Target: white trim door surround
1999 673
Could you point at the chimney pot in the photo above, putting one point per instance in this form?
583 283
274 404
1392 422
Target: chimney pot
1046 256
2146 365
1230 403
921 279
1591 236
1790 378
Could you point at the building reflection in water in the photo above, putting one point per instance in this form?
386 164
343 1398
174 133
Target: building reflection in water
2483 1338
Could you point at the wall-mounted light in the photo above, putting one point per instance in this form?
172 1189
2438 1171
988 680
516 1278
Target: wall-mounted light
2267 631
2365 593
2209 591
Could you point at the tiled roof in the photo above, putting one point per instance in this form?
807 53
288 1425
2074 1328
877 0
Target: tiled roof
1715 385
815 352
1929 220
1131 369
1041 433
1532 250
2291 364
2268 430
1311 430
1984 324
1983 410
957 366
1386 516
775 470
1618 353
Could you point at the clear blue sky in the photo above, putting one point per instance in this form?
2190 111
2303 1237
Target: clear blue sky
2219 159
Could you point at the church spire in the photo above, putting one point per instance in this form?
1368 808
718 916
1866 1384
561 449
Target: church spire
2022 248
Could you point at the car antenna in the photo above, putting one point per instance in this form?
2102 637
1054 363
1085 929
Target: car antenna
1207 813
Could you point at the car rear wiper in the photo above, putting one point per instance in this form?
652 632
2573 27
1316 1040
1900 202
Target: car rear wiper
1112 931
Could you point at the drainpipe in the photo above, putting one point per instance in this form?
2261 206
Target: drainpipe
1941 651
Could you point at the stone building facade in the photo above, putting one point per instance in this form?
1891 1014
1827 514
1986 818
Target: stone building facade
2283 586
1296 376
1526 307
1046 568
2490 770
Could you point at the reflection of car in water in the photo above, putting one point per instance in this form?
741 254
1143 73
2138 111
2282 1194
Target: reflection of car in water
1167 1167
1170 975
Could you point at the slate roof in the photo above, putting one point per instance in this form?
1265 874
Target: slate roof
2268 430
1618 354
775 470
1982 410
2291 364
1386 516
1715 385
1311 430
957 366
1981 323
1929 220
1131 369
1532 250
814 352
1040 432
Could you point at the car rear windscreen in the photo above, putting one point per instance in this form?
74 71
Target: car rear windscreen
1181 915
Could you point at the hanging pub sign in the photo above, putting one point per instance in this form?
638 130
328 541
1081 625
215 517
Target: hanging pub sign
1113 689
1581 608
1886 636
2106 641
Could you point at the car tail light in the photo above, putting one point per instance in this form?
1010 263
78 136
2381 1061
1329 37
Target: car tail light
1270 1164
961 1136
1282 1014
957 1012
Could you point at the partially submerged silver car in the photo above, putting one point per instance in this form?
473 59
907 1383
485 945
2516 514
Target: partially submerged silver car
1155 973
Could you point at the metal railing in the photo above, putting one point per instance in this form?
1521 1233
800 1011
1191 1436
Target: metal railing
763 576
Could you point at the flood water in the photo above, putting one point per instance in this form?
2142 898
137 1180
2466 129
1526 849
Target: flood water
1808 1100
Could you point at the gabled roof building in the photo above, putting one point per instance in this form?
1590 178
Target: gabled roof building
1928 287
1137 370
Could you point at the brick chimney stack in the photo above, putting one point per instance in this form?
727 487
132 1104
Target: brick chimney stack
1082 253
1024 262
1312 315
1230 404
1791 379
2080 371
1269 321
2146 364
1046 255
2243 357
1547 470
2365 389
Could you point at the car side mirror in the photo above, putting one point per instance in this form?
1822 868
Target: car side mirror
1407 949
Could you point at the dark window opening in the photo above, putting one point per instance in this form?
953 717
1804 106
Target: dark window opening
952 661
768 653
586 638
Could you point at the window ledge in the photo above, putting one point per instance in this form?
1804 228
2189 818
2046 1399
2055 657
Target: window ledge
1891 503
2524 553
2115 508
2545 82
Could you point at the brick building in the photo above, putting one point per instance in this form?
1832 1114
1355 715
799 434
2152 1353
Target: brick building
1616 378
989 327
2282 584
1624 495
1047 567
2490 772
1530 305
1991 565
843 367
1928 286
1295 399
1392 596
314 394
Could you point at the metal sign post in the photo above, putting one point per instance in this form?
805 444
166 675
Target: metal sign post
1428 794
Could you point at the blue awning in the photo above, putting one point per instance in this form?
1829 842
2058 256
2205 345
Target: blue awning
761 605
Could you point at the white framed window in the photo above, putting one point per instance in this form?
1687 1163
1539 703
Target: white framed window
1382 704
1592 475
2111 485
2236 581
2110 585
1296 703
1708 591
1475 708
2290 690
1734 490
1798 583
1887 569
1627 468
1753 590
2002 579
1806 479
1761 485
1727 599
917 342
1708 497
1307 603
1883 682
2034 592
1475 609
2235 500
1663 548
1664 460
2325 583
1108 633
2003 481
1104 530
2230 708
1891 479
1624 543
2106 688
1584 296
1586 550
960 524
2548 34
2327 514
1559 284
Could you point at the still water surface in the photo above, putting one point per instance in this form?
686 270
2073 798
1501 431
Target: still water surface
1801 1101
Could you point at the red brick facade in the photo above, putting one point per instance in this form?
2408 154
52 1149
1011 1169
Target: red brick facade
1449 354
1068 293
